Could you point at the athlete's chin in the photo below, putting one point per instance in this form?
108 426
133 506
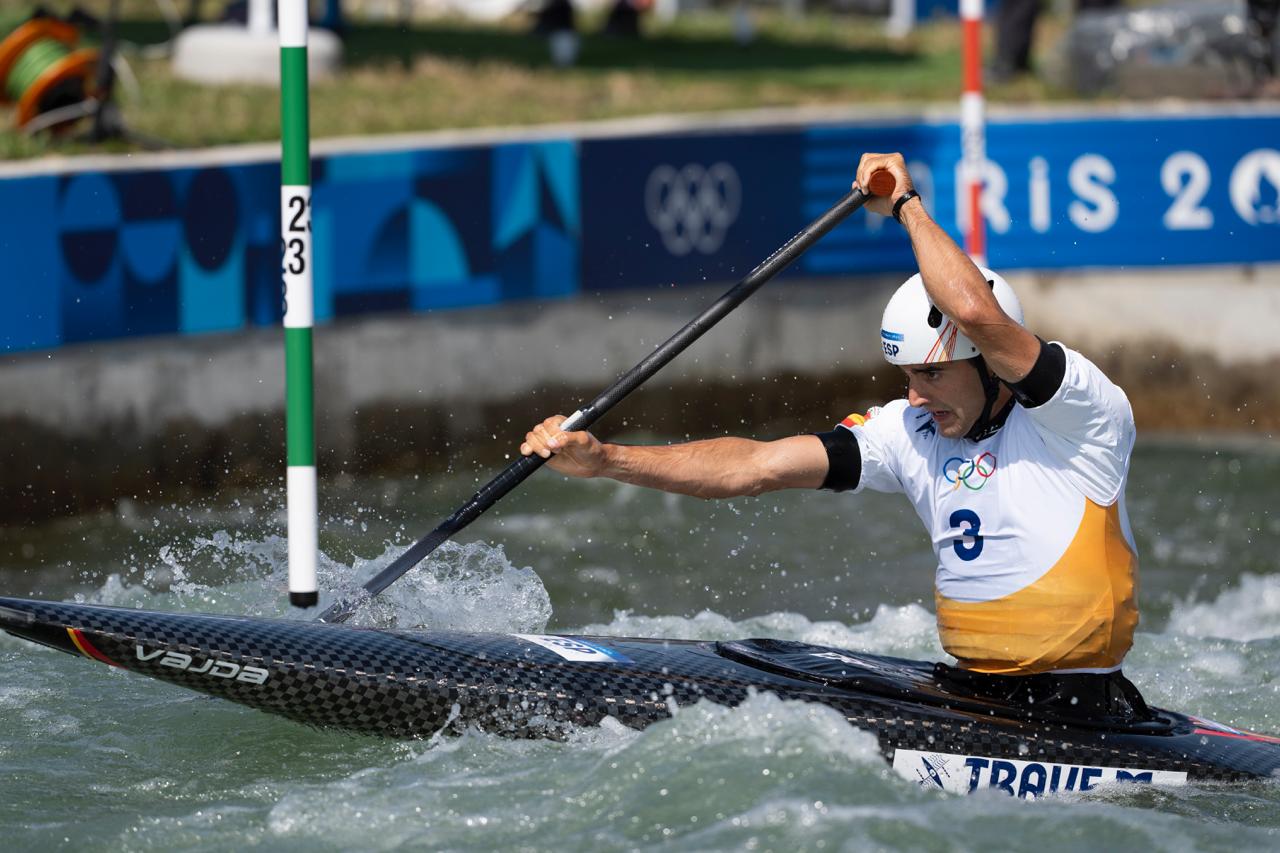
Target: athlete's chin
949 426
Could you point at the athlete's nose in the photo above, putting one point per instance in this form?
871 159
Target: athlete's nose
913 397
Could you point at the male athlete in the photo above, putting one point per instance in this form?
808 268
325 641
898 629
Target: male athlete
1014 453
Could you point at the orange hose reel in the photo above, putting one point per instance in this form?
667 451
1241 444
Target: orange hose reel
41 70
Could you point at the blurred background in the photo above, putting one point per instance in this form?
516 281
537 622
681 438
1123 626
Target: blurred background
389 66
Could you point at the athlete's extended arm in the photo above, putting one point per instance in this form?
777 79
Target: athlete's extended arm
952 280
715 468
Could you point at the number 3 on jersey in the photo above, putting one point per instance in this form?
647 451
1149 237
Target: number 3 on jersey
967 550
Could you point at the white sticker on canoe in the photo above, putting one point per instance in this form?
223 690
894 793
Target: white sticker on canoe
571 648
962 774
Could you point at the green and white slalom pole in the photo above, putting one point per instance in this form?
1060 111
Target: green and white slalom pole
299 313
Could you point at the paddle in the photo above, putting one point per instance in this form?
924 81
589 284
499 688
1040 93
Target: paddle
881 183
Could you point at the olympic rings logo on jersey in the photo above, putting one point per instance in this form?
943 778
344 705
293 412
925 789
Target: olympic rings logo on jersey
694 206
970 473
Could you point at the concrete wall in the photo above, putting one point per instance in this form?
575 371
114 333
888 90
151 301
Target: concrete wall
86 424
1225 314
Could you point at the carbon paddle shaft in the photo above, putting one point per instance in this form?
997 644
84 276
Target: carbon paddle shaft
516 472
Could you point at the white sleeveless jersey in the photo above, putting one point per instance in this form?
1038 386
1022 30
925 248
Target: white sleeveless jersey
1036 562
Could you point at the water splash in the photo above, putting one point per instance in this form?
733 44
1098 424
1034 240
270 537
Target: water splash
1248 611
470 587
909 630
682 781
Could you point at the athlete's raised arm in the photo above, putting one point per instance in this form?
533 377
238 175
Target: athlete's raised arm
953 282
715 468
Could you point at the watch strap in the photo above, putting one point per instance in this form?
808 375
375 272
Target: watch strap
903 199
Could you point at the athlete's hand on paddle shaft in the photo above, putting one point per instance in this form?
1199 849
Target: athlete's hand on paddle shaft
895 165
577 453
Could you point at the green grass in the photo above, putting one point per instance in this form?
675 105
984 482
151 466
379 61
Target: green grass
456 74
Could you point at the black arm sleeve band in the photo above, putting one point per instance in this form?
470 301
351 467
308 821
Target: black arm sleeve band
1045 378
844 460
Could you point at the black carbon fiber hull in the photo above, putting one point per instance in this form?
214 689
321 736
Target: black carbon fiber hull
414 684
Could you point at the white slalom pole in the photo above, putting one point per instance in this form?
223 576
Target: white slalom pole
299 314
973 130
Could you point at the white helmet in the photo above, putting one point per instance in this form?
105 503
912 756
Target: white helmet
913 331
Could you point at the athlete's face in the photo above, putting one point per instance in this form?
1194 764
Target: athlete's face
950 391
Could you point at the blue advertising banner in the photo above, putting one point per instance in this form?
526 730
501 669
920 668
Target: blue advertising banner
683 209
93 255
868 242
97 255
1145 192
1072 193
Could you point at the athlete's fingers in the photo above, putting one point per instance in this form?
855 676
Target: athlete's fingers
894 164
576 438
550 431
871 163
538 440
860 175
533 444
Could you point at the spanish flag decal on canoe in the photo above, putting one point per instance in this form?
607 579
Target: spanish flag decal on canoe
86 648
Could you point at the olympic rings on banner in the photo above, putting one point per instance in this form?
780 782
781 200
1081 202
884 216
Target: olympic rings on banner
970 473
693 207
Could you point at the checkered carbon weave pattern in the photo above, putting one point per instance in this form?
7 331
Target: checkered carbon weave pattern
413 684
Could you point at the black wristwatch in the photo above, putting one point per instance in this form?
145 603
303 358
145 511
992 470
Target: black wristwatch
903 199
